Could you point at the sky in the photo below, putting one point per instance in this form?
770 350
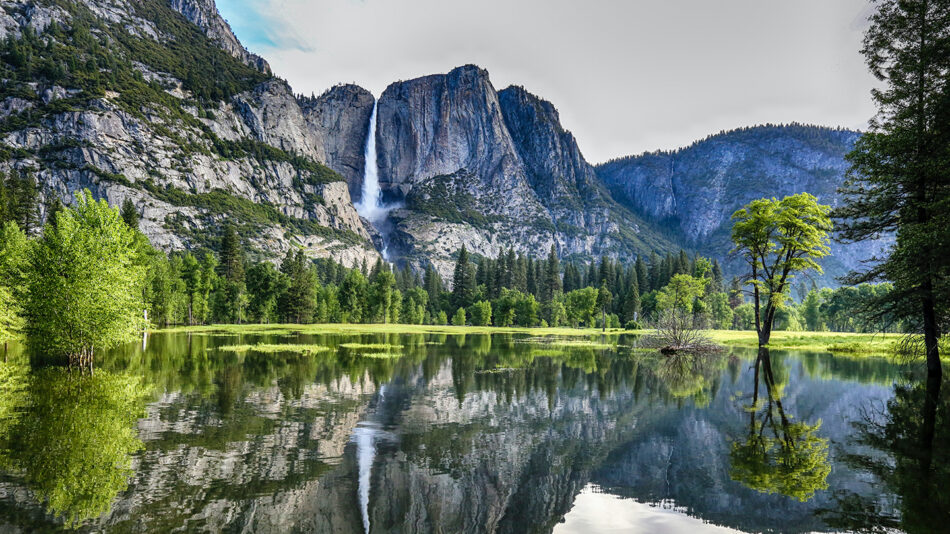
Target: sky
627 76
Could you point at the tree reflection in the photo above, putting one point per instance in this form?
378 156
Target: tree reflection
74 440
909 452
778 455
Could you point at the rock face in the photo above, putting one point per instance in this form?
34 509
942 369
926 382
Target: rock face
212 137
249 153
204 14
339 120
493 171
694 191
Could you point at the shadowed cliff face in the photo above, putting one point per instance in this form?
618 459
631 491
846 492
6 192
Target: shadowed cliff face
214 131
694 191
338 120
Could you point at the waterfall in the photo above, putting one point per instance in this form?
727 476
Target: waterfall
371 205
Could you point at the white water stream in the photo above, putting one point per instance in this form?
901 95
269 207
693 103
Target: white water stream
371 205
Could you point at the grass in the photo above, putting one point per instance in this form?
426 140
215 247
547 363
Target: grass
844 343
381 355
814 341
271 348
354 329
381 346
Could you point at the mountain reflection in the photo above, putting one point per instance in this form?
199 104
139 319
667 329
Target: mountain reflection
476 433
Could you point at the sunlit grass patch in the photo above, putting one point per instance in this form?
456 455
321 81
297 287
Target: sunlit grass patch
354 329
381 355
370 346
271 348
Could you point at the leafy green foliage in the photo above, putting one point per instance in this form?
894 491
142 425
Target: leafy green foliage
84 288
777 239
899 180
778 455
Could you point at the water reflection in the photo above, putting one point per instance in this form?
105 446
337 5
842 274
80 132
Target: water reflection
455 434
907 449
72 439
778 455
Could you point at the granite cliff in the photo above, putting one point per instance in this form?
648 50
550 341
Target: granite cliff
158 101
493 170
693 192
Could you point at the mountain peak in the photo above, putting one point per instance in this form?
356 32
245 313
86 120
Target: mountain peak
205 15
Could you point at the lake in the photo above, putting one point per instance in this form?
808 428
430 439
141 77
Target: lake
224 432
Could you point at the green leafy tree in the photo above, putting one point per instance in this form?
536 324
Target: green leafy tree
84 289
414 305
604 298
720 311
14 250
778 455
581 305
382 286
811 309
778 239
459 318
352 296
681 293
899 180
264 284
297 301
481 313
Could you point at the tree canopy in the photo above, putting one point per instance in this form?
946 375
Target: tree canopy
778 239
84 289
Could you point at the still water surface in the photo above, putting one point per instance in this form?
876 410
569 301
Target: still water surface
455 433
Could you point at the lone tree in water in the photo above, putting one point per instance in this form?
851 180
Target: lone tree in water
777 239
899 181
84 287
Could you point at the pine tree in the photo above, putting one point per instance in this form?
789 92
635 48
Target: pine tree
231 251
53 207
130 214
23 207
552 277
631 301
656 272
643 277
899 181
463 281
